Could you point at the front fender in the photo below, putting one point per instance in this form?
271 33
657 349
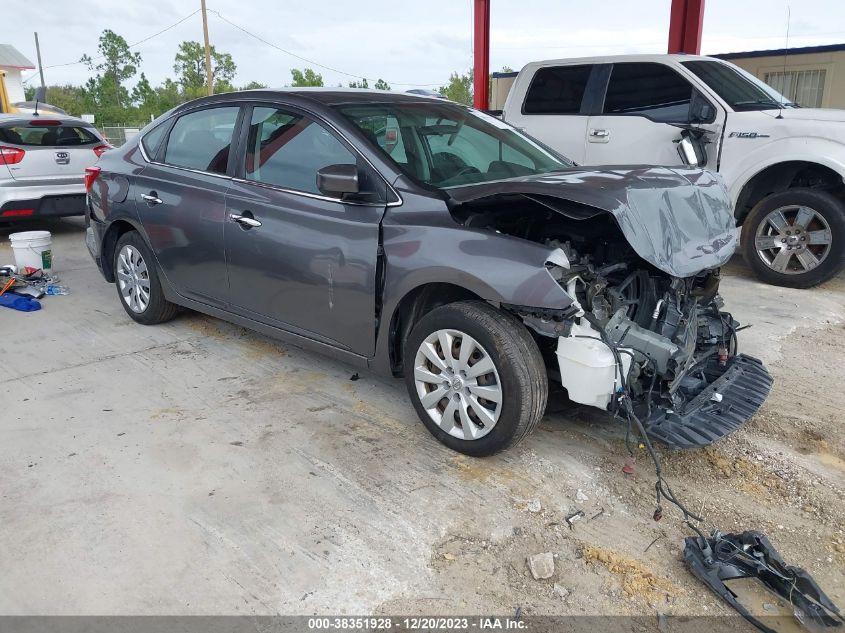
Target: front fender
825 152
498 268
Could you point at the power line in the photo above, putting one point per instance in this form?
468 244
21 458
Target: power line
138 43
305 59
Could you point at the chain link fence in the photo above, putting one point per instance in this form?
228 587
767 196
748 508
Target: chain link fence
117 135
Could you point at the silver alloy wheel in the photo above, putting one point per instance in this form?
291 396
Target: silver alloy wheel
793 239
458 384
133 279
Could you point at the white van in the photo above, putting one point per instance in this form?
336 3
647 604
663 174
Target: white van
783 164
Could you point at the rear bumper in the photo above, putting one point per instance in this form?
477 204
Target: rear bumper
48 206
742 387
24 202
94 232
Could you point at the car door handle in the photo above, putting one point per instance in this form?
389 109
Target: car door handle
244 220
599 133
151 198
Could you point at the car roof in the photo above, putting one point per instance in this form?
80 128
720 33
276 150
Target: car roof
611 59
324 96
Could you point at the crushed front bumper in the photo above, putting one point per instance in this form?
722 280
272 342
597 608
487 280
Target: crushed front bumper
729 400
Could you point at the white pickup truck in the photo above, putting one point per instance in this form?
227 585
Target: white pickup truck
783 164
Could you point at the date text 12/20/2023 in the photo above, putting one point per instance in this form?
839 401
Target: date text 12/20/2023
420 623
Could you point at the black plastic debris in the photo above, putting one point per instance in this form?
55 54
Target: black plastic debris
728 557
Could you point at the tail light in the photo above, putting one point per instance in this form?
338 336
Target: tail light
16 213
11 155
102 149
91 174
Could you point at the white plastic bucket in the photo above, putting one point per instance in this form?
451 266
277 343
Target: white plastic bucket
32 248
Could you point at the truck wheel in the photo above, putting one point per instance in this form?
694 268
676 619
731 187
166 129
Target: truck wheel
795 238
476 377
136 280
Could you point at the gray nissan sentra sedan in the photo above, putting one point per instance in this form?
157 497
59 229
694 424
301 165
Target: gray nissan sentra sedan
424 239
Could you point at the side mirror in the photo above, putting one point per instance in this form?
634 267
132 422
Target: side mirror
691 150
336 180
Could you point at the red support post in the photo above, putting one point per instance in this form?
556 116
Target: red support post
685 25
481 54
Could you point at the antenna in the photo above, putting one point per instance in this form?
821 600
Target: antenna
785 53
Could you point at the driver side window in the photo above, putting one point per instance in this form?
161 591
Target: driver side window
652 90
287 149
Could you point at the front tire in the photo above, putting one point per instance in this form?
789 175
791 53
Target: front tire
476 377
137 282
795 238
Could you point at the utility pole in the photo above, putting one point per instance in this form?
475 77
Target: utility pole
38 54
207 49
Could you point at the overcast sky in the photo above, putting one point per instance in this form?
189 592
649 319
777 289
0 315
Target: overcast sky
409 43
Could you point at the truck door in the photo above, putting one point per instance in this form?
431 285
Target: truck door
552 110
643 104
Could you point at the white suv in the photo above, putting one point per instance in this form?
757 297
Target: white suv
783 164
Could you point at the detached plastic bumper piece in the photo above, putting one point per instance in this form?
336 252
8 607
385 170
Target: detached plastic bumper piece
721 408
727 557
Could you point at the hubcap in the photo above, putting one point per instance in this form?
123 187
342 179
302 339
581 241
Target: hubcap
133 279
458 384
793 239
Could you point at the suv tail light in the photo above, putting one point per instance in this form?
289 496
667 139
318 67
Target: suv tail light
102 149
91 174
11 155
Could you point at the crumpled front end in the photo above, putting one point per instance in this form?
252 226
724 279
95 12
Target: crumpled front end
638 250
665 343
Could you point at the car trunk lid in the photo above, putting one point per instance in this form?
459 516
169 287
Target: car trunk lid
48 151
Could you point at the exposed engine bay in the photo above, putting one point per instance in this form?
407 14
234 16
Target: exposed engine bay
663 341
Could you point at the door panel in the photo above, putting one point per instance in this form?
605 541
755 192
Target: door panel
182 204
185 230
310 266
643 102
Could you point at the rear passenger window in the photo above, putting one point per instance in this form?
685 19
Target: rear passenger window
47 135
653 90
201 140
557 90
287 149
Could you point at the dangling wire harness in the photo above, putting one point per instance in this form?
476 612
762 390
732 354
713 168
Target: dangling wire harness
622 402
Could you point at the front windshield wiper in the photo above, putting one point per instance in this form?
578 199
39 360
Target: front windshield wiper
761 102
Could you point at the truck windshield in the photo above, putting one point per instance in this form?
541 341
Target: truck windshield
741 91
447 145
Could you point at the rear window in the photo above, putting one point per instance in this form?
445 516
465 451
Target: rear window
557 90
48 135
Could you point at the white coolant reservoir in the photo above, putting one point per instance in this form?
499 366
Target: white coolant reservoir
588 369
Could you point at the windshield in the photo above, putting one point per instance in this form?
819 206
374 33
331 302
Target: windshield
740 90
445 145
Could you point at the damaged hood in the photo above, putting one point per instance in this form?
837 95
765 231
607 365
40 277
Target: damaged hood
678 219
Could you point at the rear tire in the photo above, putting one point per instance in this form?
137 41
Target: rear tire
137 282
468 418
795 238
